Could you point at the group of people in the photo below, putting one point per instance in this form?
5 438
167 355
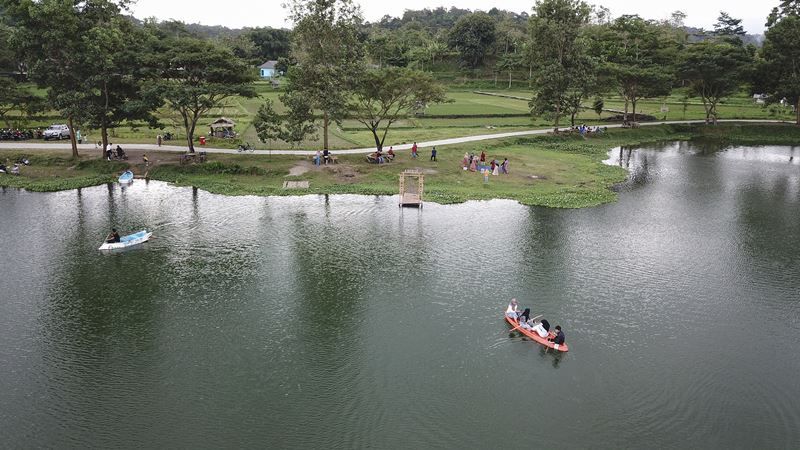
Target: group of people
324 156
112 153
378 157
14 169
475 163
536 325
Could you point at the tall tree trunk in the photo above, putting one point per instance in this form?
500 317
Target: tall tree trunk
633 103
104 139
72 138
797 111
378 141
625 114
325 123
509 79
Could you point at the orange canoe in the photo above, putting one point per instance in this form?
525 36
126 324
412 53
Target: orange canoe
535 336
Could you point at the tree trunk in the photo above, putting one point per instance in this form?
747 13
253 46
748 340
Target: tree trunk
797 111
633 103
325 123
378 142
104 139
625 114
72 139
509 79
495 80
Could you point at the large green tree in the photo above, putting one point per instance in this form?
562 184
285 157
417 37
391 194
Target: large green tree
197 76
473 37
639 59
329 55
564 71
714 70
382 96
779 71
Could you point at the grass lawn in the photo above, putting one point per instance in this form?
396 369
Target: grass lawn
562 171
482 117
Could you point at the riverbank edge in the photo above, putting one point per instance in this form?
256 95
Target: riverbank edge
579 196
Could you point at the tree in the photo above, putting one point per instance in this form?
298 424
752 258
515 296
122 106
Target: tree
598 106
563 66
199 75
728 26
381 97
785 9
329 56
714 71
15 97
637 59
270 43
779 71
473 36
52 35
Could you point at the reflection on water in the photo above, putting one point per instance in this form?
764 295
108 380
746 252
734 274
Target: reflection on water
345 321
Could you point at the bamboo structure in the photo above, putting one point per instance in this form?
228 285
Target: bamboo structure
412 186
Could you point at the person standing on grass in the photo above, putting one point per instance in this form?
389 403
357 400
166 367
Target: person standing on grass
505 166
414 150
433 154
483 158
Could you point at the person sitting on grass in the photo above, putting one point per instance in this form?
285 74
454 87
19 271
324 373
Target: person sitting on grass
390 154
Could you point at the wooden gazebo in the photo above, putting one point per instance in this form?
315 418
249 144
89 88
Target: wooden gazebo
412 186
222 127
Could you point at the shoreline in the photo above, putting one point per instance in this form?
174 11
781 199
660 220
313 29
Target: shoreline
560 171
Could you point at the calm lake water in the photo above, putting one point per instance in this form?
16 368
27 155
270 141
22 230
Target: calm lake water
337 322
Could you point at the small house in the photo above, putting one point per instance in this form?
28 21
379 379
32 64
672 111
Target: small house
760 99
268 69
223 128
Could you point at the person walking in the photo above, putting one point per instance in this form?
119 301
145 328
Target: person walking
414 150
433 154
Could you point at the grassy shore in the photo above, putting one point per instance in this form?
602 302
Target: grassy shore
564 171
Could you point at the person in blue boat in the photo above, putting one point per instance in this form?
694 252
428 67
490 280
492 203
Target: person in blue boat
113 236
559 339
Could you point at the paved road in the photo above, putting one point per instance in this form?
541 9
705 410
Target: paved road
421 145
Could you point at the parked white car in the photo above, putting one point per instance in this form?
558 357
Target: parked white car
56 132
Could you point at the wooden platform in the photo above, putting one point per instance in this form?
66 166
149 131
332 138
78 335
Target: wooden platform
408 199
411 193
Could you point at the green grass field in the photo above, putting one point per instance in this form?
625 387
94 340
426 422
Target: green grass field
563 171
467 114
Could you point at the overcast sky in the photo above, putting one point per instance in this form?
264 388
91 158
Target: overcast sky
253 13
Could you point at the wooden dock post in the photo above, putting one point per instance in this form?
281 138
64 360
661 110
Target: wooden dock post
411 190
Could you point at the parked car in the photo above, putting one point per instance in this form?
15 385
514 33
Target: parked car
56 132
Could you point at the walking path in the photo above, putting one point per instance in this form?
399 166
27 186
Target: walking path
421 145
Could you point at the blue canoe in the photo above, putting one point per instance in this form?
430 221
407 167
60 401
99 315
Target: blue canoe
126 177
127 241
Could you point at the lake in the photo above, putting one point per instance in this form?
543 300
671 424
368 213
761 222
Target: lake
345 321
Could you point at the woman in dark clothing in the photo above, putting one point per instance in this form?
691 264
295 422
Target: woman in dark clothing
525 316
545 325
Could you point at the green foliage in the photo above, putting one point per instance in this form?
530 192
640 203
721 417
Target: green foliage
565 72
638 59
714 70
197 76
268 123
779 72
329 55
472 37
381 97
